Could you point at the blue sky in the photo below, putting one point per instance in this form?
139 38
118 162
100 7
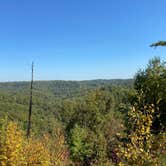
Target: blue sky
79 39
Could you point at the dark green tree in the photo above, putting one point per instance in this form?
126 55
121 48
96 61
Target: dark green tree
159 43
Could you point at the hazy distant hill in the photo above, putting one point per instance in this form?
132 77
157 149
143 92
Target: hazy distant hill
62 88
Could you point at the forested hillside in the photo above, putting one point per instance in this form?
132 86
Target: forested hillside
63 88
48 98
86 123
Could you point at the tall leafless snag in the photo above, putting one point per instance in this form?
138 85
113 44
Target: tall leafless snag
30 106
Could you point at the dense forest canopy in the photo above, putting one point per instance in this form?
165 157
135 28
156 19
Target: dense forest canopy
86 123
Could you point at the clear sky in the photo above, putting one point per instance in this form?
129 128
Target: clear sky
79 39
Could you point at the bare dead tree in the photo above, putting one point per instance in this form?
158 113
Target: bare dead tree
30 105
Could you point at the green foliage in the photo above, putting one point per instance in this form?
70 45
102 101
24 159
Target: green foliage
159 43
95 123
93 127
52 101
151 84
66 105
79 146
145 143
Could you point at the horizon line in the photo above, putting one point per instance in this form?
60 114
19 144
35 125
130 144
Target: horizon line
38 80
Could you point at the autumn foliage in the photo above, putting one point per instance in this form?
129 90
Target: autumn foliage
11 145
17 150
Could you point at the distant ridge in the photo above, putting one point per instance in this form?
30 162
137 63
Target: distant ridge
61 88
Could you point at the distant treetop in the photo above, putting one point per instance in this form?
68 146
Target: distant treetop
159 43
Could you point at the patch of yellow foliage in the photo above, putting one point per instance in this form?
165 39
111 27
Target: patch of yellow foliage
36 153
11 146
17 150
140 147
